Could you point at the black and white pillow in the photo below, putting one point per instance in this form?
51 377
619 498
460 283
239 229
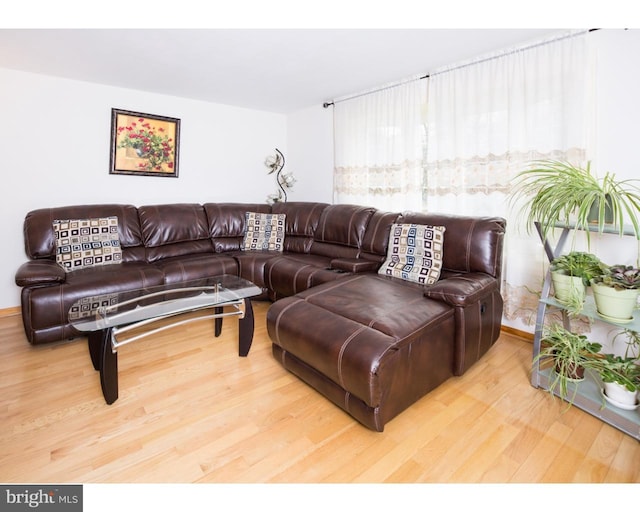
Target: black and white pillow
82 243
264 232
414 253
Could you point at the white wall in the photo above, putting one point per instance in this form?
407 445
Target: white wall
310 155
618 92
54 142
617 135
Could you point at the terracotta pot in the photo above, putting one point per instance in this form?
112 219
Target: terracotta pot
575 372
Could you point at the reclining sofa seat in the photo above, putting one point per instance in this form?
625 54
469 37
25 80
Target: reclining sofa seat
333 248
177 242
161 244
375 344
48 292
227 225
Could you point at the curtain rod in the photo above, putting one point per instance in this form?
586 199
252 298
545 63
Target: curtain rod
464 65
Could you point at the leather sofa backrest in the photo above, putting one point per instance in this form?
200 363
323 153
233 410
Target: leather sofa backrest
227 223
376 237
471 244
39 239
301 223
174 230
341 230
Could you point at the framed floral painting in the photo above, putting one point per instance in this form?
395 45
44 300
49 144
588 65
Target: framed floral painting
144 144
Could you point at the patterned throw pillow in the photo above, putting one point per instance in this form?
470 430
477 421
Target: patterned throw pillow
414 253
265 231
82 243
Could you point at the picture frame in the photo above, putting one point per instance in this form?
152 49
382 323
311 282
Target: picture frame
144 144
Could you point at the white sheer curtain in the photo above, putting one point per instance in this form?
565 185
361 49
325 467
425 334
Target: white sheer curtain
454 142
379 148
486 122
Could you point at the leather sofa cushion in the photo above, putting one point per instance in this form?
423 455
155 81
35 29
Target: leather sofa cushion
54 301
293 273
227 223
171 230
343 225
302 221
362 323
376 237
472 244
392 306
196 266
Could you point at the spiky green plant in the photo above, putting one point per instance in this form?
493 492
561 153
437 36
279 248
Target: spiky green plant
558 192
568 351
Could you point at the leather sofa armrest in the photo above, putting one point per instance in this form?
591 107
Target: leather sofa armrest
462 290
354 265
40 273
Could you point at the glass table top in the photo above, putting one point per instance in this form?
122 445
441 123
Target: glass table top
121 308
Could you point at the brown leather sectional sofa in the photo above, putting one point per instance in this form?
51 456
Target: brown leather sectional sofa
370 343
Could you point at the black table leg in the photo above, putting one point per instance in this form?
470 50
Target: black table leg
218 321
108 369
95 339
245 328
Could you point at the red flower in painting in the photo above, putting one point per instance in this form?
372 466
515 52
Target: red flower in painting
150 143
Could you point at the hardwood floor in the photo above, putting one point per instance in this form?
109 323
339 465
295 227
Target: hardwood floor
191 410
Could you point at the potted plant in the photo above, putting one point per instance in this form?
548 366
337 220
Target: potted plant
616 292
621 380
555 192
570 354
571 274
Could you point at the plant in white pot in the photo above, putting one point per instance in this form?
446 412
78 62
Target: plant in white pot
616 292
571 274
621 380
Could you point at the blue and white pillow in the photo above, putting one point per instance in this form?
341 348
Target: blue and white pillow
414 253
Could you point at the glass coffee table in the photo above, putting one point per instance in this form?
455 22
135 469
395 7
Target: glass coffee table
108 318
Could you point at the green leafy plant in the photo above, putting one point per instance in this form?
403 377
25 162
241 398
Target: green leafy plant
571 275
622 370
569 354
579 264
573 303
558 192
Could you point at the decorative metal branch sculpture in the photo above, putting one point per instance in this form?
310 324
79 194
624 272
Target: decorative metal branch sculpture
284 181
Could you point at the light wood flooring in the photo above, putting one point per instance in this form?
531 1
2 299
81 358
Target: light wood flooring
191 410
